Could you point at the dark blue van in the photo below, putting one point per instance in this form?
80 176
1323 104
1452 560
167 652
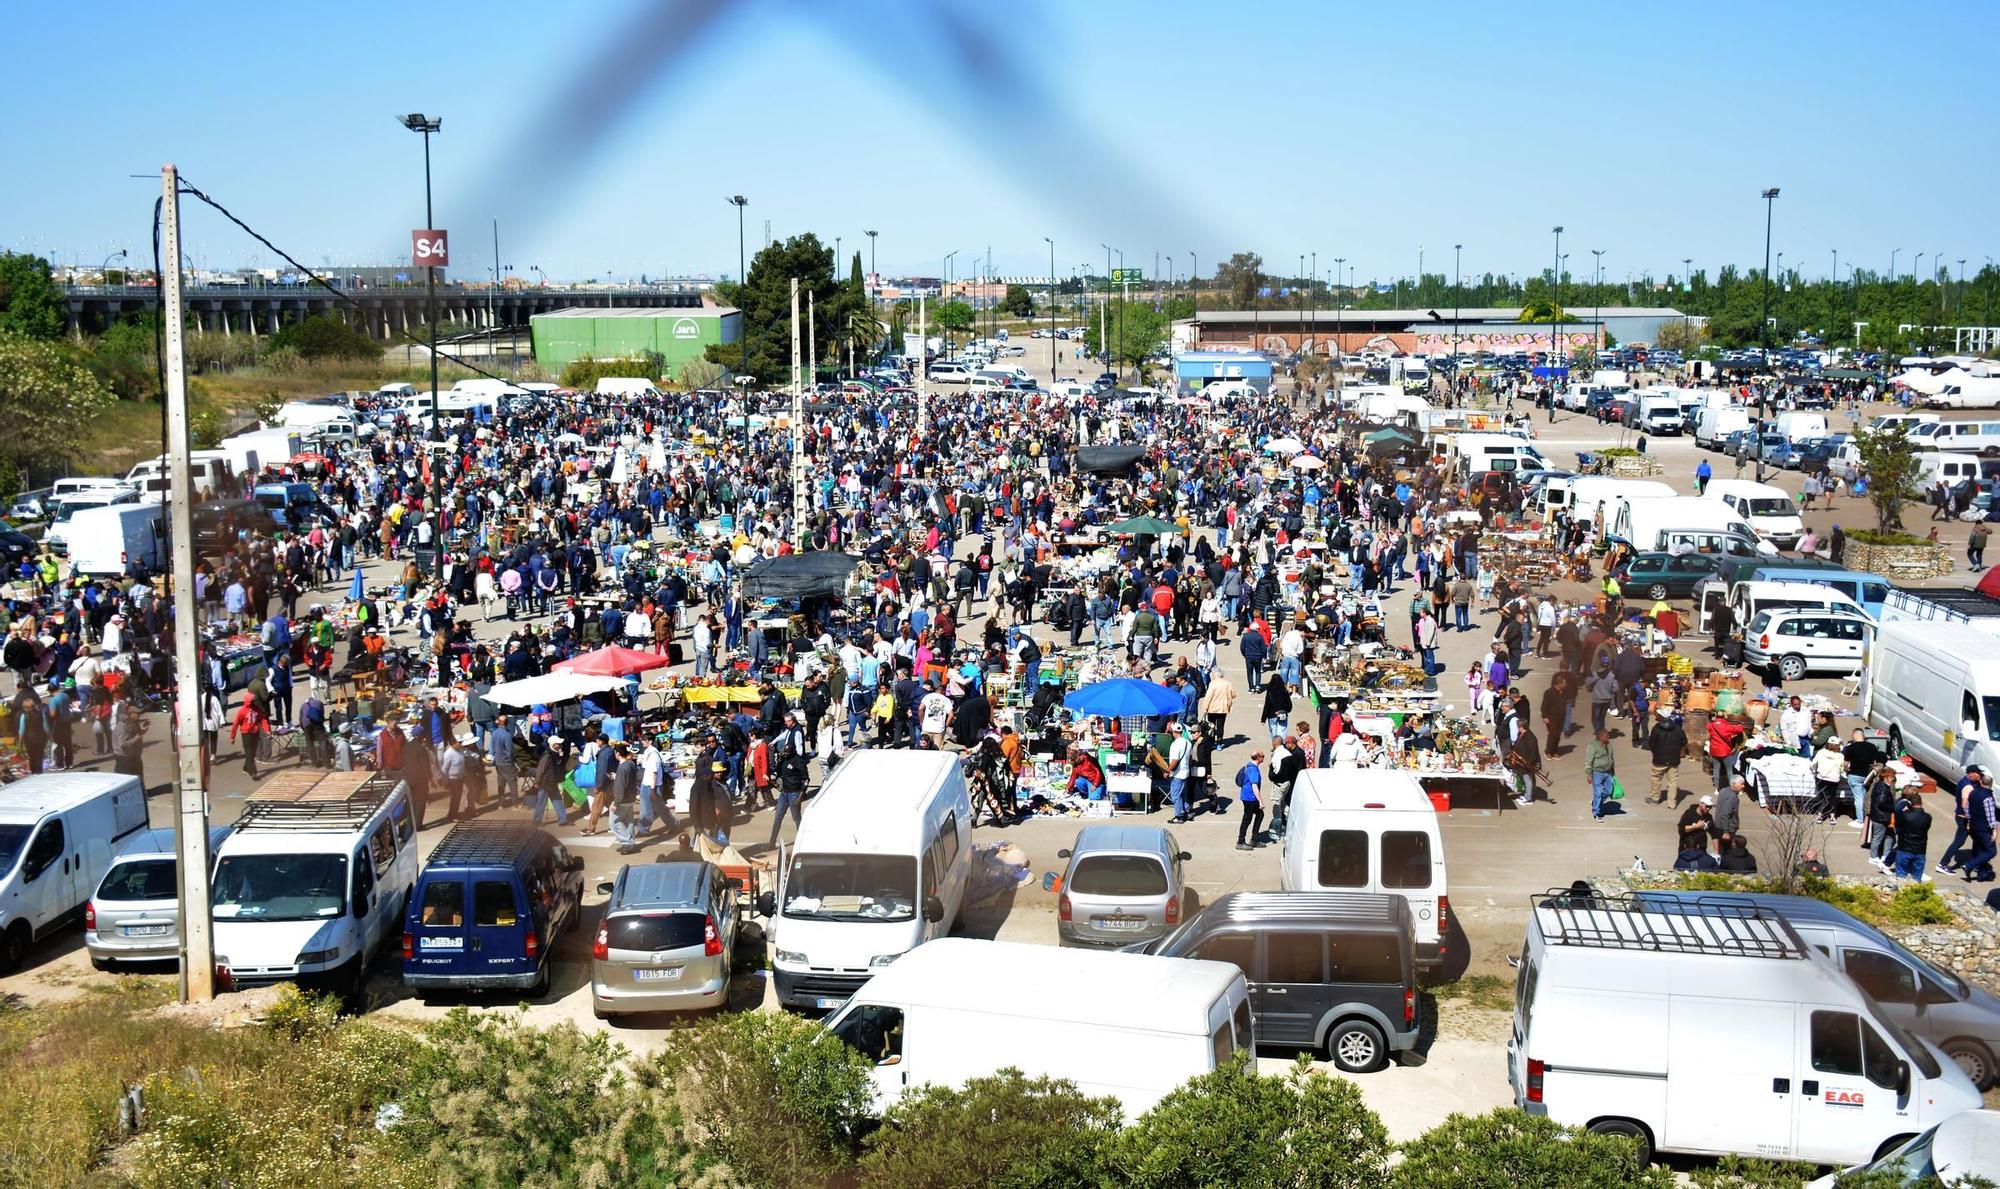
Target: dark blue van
487 908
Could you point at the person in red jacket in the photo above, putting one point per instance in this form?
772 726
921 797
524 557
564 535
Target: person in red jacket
250 726
1085 777
1724 734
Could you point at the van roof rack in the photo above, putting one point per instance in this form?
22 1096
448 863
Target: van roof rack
306 800
485 844
1579 916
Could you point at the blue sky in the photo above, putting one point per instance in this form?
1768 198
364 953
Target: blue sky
605 136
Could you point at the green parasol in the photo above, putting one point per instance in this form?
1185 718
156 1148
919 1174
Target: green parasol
1144 526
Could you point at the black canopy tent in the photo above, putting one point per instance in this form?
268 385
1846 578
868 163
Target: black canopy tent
815 573
1108 460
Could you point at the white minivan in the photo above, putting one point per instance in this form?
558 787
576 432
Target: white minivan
1768 509
58 834
1132 1027
1712 1029
1966 437
311 885
1935 688
878 868
1370 830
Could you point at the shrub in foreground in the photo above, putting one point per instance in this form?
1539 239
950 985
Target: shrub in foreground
1008 1131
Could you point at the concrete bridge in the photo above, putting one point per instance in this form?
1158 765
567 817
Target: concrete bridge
252 310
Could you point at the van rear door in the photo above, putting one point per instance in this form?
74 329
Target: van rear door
440 941
499 929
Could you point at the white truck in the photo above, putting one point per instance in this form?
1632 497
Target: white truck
1133 1027
1712 1029
58 834
118 541
251 452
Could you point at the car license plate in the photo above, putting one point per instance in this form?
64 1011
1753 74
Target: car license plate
828 1002
1120 922
665 974
145 930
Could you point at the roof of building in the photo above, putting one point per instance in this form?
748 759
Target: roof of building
1444 314
641 312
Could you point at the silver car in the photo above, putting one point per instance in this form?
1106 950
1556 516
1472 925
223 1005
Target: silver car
1123 885
135 914
666 939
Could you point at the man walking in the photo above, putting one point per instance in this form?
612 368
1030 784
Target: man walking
1250 787
451 775
1667 744
500 753
1603 769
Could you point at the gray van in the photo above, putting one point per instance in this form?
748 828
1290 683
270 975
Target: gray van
1331 971
1935 1004
667 938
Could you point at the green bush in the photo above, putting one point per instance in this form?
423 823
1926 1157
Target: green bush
323 336
1509 1149
775 1097
1008 1131
583 374
1918 904
1236 1127
492 1101
1741 1172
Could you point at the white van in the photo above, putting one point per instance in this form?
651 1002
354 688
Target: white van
1011 372
79 484
310 887
251 452
1797 427
1581 497
878 868
1748 598
1954 468
1935 688
118 541
1659 413
305 415
1477 452
1909 421
58 834
983 383
393 394
1713 423
64 510
948 373
1368 830
1768 509
1127 1026
206 469
1965 437
1712 1028
624 386
1644 520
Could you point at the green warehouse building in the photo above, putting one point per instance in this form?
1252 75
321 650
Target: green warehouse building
677 335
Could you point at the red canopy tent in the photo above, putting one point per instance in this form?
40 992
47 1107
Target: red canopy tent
614 661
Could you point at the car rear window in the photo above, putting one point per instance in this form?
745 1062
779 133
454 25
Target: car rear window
1406 859
1118 875
1343 859
493 903
141 879
443 905
656 931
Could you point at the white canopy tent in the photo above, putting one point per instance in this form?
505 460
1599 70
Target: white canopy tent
551 687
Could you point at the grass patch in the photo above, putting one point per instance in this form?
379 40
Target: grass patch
1911 904
274 1105
1885 536
1478 990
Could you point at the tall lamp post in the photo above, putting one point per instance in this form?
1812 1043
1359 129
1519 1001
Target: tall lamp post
1052 306
1339 313
1770 197
1457 296
873 282
1556 279
743 289
420 123
104 269
1597 297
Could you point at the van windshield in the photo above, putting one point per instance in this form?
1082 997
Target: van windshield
280 887
1773 506
852 887
13 839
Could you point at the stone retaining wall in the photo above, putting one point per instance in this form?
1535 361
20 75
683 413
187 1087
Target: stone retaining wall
1898 561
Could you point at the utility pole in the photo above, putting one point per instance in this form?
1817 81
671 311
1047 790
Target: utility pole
923 365
493 296
197 982
1457 295
1052 307
798 434
1339 312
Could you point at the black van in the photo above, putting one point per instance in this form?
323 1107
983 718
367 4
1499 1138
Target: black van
487 908
1330 971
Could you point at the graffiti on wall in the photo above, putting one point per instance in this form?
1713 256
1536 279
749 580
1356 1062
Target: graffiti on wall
1503 342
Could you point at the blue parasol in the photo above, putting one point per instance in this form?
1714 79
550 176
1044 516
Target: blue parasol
355 591
1122 697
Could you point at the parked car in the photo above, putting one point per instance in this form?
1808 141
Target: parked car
666 940
1660 575
30 505
135 914
1775 449
1123 884
1331 971
1805 641
1814 454
219 523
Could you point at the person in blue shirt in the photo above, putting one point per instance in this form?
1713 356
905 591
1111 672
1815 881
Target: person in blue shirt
1702 474
1249 791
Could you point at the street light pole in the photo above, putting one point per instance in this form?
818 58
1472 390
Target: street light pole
1339 312
742 331
1052 306
420 123
1597 298
1892 263
493 297
1457 295
1555 307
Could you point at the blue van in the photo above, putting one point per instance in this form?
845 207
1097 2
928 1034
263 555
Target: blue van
487 908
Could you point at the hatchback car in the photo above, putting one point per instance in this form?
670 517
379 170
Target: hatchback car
1804 641
1660 575
1123 885
134 916
666 940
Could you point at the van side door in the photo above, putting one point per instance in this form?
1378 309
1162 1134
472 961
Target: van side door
364 903
1854 1088
1289 990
